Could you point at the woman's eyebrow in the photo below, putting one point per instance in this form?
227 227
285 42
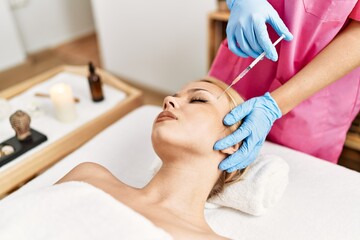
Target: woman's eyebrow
192 90
198 89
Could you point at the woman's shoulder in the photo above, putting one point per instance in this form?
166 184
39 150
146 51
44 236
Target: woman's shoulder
90 168
86 171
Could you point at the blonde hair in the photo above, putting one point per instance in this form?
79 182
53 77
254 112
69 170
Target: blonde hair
234 99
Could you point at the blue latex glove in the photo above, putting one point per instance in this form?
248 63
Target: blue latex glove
246 30
258 116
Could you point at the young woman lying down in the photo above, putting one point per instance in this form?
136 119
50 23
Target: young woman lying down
183 136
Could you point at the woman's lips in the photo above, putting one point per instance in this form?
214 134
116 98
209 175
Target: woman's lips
166 115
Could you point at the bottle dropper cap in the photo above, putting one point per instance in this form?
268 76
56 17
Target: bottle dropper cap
91 68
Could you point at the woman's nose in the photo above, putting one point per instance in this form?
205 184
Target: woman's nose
169 102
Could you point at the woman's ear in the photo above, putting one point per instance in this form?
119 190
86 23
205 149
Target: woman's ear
232 149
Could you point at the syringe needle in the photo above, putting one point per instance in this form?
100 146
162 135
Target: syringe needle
225 91
243 73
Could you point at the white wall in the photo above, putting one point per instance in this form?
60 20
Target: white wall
47 23
11 50
158 43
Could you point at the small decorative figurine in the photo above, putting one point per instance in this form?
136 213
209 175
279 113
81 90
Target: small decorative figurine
20 122
25 139
95 84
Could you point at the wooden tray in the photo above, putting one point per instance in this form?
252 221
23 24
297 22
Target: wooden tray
17 175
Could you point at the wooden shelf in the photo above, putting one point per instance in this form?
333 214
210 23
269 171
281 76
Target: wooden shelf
350 156
353 141
216 32
219 16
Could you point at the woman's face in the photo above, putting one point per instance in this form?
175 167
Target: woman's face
192 119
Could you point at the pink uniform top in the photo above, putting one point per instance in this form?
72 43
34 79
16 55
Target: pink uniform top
318 125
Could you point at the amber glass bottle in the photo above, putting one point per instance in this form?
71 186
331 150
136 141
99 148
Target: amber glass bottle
95 84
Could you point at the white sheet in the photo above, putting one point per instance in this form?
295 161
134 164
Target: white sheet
322 200
73 210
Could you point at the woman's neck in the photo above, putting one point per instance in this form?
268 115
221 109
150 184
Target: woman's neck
182 189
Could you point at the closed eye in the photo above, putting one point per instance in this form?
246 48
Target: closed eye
198 100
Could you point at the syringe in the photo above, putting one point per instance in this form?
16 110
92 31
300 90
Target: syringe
252 64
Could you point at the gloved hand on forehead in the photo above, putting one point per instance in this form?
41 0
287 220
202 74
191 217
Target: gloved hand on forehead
246 29
258 115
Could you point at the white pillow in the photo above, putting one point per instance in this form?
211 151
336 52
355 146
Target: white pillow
260 188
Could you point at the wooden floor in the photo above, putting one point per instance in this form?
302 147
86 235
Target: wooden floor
78 52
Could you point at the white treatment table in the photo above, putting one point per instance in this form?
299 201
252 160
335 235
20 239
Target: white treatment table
322 200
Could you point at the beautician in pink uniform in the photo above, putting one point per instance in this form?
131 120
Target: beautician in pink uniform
310 96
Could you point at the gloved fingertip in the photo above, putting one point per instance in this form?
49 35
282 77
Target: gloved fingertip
230 119
271 53
272 56
232 169
232 45
288 36
222 167
218 146
242 166
239 53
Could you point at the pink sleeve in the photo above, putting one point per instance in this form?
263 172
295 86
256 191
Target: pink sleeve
355 14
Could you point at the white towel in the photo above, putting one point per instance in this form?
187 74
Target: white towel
72 210
261 187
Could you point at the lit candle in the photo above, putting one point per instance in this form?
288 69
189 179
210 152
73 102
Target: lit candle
63 101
